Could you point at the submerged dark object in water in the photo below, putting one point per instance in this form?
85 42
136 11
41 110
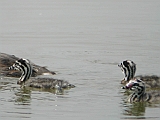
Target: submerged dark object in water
7 60
25 67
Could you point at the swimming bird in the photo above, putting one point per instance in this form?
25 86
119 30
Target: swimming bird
7 60
25 67
139 94
128 68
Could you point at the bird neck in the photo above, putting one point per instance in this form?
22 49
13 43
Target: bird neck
26 73
137 96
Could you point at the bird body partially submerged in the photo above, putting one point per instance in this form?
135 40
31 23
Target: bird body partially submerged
128 68
139 93
25 67
48 83
7 60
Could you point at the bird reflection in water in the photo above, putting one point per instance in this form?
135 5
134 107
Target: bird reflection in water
23 96
135 109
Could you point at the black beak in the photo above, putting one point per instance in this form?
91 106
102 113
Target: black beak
11 68
124 87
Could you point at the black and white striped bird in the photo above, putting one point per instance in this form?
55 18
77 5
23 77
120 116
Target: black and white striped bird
25 67
139 94
7 60
128 68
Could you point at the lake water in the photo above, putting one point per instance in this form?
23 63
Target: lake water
82 41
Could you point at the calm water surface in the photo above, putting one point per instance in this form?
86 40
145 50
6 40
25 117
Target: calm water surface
83 41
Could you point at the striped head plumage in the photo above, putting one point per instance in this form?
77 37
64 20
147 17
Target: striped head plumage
138 88
25 67
128 68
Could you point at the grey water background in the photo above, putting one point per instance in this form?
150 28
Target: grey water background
82 41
